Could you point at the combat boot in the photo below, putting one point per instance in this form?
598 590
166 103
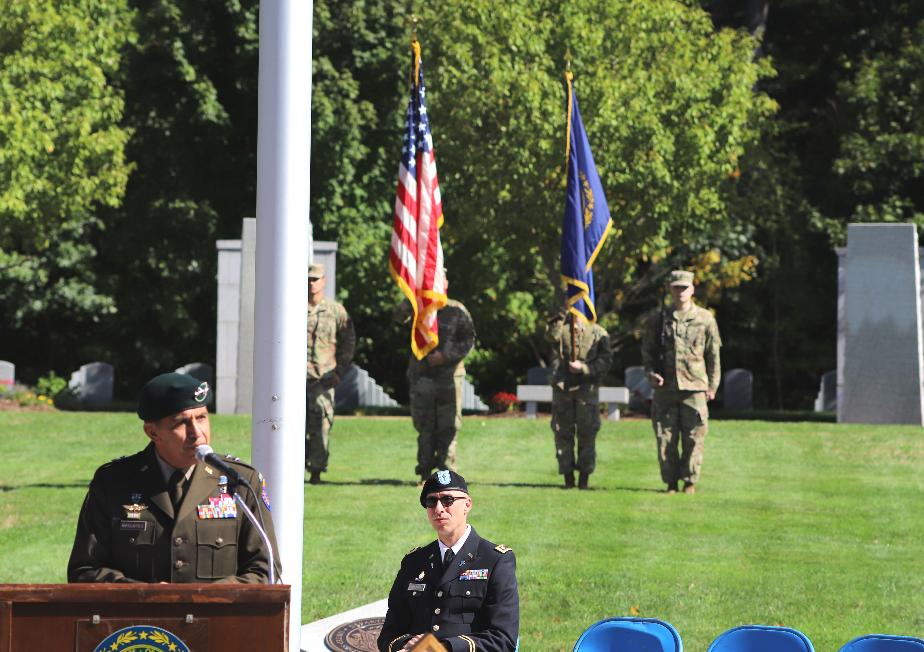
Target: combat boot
569 480
582 480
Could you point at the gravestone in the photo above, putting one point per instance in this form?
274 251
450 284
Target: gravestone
738 390
205 373
538 376
826 401
93 384
640 391
7 376
882 370
357 389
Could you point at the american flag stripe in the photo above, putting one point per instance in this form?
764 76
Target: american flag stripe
416 257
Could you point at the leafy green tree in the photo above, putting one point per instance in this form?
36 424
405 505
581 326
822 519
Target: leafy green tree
669 105
62 157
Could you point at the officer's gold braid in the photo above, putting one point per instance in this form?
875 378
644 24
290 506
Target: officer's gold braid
471 643
395 640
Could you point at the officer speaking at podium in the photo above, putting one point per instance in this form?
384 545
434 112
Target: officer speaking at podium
162 516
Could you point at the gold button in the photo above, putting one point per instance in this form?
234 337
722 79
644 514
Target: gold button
439 594
468 593
437 610
179 563
436 628
178 541
219 541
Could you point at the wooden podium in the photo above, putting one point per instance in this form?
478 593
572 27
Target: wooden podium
65 617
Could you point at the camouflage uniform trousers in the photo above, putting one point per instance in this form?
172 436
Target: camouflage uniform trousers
436 410
320 421
680 417
576 415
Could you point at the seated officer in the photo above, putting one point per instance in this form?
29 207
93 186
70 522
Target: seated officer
161 516
461 588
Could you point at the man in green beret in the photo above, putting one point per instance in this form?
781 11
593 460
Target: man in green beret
331 343
162 516
680 352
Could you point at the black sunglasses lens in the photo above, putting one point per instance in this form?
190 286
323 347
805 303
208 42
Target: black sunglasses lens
447 501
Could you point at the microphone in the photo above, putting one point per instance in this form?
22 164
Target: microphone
204 453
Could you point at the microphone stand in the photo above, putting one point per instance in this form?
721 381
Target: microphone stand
253 520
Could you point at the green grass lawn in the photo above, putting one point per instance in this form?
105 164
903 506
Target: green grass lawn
816 526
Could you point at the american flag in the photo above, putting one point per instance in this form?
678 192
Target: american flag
416 259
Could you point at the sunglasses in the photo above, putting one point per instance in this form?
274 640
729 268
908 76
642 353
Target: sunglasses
446 501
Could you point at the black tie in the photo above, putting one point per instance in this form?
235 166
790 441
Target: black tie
175 486
447 558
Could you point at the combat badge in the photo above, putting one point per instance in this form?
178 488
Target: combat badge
134 510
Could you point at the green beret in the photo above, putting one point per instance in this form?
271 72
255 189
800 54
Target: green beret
443 481
171 393
680 277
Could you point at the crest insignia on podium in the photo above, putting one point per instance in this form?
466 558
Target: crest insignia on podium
141 638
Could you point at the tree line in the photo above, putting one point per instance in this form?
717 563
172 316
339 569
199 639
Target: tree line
736 139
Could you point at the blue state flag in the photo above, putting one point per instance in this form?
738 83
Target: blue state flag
587 220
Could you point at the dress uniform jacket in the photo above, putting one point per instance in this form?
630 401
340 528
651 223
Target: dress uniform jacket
472 605
128 532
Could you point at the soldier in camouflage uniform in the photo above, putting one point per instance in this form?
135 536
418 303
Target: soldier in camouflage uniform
435 385
680 352
331 342
575 393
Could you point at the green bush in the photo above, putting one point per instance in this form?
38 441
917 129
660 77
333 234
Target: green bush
50 385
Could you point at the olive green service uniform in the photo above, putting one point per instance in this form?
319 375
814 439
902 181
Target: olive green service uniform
128 530
691 368
331 343
436 392
473 604
576 396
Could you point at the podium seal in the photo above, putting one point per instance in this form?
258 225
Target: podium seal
141 638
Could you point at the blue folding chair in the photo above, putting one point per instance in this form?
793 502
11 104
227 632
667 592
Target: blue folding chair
629 635
884 643
761 638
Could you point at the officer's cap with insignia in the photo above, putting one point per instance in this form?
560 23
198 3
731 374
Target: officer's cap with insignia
444 480
680 277
171 393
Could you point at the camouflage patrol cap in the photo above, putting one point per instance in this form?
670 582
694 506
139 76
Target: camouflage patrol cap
171 393
680 277
444 480
316 270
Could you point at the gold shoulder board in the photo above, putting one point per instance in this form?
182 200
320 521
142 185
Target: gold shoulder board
412 550
502 549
